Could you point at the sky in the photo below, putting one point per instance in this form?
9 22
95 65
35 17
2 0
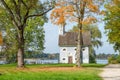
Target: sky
51 38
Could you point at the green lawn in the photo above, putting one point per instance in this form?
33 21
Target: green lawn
48 72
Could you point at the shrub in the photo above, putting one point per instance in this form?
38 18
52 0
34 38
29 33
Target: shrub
111 58
114 59
92 59
114 62
118 58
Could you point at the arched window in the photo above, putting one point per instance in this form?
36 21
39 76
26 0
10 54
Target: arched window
75 49
83 49
64 49
63 58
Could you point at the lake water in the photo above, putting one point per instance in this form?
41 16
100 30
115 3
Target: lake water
101 61
38 61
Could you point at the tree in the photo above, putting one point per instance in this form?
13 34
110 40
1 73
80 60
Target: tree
19 13
95 38
112 23
80 11
33 42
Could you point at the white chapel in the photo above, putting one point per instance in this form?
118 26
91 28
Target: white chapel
68 42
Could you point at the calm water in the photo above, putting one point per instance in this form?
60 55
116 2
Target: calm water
38 61
101 61
98 61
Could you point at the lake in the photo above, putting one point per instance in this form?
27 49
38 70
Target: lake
38 61
101 61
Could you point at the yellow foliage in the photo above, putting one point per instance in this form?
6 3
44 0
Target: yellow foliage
93 8
65 11
57 16
102 12
60 14
116 2
89 20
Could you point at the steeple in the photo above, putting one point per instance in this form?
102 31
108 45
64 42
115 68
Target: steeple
61 29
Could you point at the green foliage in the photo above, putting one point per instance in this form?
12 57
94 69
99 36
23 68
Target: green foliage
112 23
95 34
95 39
114 59
103 56
35 41
33 31
118 58
92 59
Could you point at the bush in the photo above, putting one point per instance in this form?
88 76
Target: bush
92 59
118 58
114 62
111 58
114 59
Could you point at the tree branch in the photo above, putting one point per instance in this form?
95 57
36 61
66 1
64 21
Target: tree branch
25 18
17 9
35 15
10 11
14 3
24 4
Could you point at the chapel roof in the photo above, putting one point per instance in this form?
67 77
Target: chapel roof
70 39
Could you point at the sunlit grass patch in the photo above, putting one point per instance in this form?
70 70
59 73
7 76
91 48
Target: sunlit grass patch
51 72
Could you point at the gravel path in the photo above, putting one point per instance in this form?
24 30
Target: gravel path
111 72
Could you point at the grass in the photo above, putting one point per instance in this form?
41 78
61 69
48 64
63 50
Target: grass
94 65
48 72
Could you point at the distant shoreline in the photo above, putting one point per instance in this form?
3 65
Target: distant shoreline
101 61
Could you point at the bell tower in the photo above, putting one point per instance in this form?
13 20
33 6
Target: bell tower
61 29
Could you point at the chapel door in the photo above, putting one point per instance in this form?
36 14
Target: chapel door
70 60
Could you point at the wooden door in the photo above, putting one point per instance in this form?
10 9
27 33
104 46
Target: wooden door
70 61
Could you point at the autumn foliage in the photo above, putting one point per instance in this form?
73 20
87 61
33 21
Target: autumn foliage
79 11
66 10
1 40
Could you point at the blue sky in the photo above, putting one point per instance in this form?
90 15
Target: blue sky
51 39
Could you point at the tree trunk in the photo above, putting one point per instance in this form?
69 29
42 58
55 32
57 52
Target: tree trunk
79 45
78 62
20 54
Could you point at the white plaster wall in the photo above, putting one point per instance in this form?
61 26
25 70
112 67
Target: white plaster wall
70 51
61 30
86 55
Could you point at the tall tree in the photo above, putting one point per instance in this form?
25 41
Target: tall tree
34 38
112 23
95 38
80 11
19 13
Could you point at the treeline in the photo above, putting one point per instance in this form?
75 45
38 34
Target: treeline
105 56
12 58
42 55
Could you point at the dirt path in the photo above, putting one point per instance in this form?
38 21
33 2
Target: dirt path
111 72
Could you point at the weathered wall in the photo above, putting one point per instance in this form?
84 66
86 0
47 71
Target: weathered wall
65 52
